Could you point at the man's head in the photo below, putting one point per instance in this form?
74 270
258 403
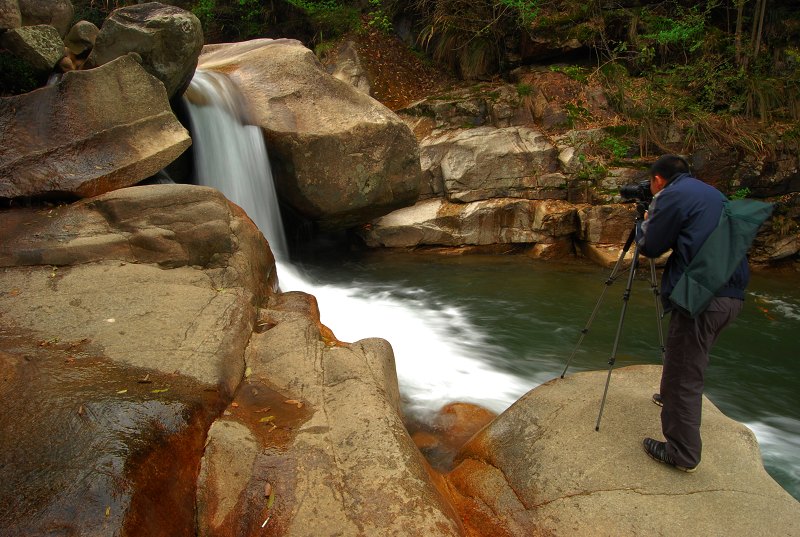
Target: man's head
664 170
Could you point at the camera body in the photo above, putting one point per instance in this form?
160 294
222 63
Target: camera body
637 192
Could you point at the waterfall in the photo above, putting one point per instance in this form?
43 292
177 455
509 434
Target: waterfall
231 156
440 357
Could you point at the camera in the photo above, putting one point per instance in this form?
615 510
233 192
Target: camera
637 192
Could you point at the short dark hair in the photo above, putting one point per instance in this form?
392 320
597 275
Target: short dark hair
669 166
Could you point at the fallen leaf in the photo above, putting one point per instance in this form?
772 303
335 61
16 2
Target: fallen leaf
267 419
81 411
235 404
247 372
268 490
145 380
159 390
108 511
122 391
267 409
294 402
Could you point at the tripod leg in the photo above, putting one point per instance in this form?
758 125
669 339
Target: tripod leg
611 279
659 313
625 297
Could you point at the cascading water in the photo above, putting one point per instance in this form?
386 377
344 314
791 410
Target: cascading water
230 155
440 357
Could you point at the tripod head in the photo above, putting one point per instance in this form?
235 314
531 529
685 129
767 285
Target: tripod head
641 208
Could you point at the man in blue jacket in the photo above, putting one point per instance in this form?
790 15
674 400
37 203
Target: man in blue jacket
683 213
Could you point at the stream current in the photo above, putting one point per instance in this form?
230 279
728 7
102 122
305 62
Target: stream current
486 329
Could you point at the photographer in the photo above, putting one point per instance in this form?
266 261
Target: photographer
683 213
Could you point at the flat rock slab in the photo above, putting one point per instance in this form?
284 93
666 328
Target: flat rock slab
568 479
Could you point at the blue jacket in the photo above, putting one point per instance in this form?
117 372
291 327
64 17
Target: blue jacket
681 217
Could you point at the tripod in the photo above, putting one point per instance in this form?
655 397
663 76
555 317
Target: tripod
640 209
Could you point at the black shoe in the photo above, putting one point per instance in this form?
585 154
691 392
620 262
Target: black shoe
658 451
657 399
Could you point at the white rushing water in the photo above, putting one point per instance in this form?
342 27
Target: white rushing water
434 364
231 156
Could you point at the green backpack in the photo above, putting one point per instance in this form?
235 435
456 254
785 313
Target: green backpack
720 255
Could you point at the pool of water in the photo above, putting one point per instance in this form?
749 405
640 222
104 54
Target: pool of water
486 329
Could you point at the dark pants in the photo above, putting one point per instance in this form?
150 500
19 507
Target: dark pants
686 358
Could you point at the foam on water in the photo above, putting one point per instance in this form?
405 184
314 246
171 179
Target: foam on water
440 356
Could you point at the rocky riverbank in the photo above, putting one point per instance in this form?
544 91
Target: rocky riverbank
156 381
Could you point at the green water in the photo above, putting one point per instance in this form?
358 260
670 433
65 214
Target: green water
527 316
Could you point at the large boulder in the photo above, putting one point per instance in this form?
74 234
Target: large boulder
167 38
495 105
540 468
604 230
81 38
153 381
56 141
314 444
56 13
40 47
125 323
549 224
340 158
486 162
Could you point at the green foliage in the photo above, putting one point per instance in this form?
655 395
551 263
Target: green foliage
332 18
524 90
528 10
591 171
740 194
204 11
685 31
576 112
378 17
575 72
615 147
232 19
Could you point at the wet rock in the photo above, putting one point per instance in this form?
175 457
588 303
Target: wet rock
57 142
167 38
125 322
340 158
347 467
448 431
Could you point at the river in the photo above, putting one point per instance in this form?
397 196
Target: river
486 329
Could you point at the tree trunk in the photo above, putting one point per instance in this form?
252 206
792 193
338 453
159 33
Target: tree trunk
739 16
760 27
